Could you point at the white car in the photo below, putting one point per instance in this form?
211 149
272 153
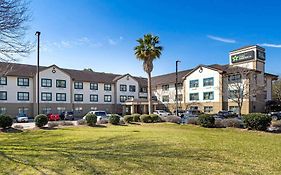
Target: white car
161 113
21 118
100 115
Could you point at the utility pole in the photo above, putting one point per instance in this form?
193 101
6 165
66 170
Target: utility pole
38 64
177 87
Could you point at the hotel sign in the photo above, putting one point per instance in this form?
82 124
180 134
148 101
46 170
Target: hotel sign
243 56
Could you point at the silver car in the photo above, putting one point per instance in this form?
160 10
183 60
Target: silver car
21 118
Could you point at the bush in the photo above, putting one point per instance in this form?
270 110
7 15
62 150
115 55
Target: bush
257 121
136 117
53 124
232 122
41 120
91 119
218 123
145 118
192 120
114 119
5 121
66 123
128 118
276 124
172 119
154 118
81 122
206 120
102 121
19 127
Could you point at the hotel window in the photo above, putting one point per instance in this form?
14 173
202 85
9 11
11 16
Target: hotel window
3 110
236 78
208 109
123 98
208 81
179 97
180 85
3 80
23 81
143 89
60 110
107 87
234 109
78 85
194 96
193 83
94 98
23 110
233 94
78 97
3 95
132 88
123 87
107 98
46 82
78 110
208 95
131 97
46 110
165 98
61 97
23 96
46 96
60 83
94 86
165 87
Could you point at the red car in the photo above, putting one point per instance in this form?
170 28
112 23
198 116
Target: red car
53 117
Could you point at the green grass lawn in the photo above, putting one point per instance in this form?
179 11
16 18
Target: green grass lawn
140 149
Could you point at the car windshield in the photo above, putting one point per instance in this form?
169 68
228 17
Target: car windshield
22 115
70 113
100 113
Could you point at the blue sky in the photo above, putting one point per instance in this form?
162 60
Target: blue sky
101 34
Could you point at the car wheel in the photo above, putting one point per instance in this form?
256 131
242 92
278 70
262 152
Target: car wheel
274 117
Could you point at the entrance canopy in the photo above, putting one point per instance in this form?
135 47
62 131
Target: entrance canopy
140 106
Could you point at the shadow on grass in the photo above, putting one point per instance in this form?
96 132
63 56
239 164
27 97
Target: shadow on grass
11 130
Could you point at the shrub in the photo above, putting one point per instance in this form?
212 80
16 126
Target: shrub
81 122
19 127
136 117
66 123
276 124
172 119
257 121
41 120
128 118
219 123
206 120
53 124
114 119
102 121
232 122
145 118
154 118
5 121
91 119
192 120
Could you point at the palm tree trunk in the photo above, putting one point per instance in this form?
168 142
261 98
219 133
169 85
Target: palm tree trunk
149 93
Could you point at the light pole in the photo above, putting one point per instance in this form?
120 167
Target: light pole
38 47
177 62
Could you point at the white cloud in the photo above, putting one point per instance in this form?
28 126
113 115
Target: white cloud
270 45
225 40
111 41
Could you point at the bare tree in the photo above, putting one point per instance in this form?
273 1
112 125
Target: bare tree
14 15
276 90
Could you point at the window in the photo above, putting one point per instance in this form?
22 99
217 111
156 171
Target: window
23 96
132 88
23 110
131 97
3 110
234 109
3 80
208 95
193 83
193 96
236 78
208 109
107 98
94 86
123 87
165 98
233 94
61 96
46 82
165 87
94 98
107 87
208 81
179 97
60 110
46 110
23 81
143 89
61 84
46 96
78 85
78 110
3 95
180 85
78 97
123 98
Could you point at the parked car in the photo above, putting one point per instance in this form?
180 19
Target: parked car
161 113
53 117
192 113
21 118
100 115
275 115
69 115
225 114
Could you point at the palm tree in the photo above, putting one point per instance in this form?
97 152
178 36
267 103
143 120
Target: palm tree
147 51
